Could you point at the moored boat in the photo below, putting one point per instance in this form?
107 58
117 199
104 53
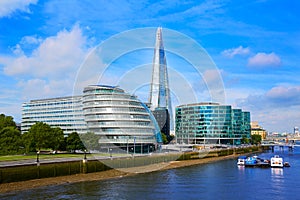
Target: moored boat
286 164
251 161
276 161
241 160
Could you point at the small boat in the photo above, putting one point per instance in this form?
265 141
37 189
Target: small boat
251 161
286 164
241 160
276 161
263 163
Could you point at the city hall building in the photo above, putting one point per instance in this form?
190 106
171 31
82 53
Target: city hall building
116 117
211 123
120 119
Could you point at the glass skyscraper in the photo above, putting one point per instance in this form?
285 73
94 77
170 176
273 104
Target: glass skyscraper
159 98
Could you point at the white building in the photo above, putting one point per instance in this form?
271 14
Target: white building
63 112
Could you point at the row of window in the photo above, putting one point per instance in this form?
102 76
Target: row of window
115 116
77 107
53 112
114 110
51 116
120 123
109 97
35 104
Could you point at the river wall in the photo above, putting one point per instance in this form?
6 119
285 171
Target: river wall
45 170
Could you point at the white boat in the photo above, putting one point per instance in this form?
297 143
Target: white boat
276 161
241 160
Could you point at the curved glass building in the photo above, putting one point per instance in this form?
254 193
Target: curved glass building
120 119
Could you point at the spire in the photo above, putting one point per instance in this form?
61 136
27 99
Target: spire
160 92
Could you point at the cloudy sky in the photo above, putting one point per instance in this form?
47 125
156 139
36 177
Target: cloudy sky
255 46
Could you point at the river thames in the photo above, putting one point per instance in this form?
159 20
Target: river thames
219 180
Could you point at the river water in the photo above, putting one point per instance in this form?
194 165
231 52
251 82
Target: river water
219 180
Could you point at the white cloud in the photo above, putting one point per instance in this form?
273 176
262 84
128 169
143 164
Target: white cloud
7 7
50 69
55 56
41 88
230 53
280 105
31 40
264 60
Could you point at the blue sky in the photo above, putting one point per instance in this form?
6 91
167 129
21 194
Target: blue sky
254 44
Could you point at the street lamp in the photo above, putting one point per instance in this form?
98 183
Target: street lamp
110 151
37 157
84 155
131 151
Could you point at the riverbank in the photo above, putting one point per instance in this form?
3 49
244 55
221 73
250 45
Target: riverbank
104 175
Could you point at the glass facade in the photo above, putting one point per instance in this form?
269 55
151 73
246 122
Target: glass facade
205 123
119 118
64 112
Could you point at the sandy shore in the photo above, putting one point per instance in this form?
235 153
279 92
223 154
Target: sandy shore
109 174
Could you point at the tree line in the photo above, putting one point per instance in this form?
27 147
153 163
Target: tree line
40 137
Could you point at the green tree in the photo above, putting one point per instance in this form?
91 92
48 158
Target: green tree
255 139
10 140
245 140
74 142
56 139
164 138
6 121
40 133
28 141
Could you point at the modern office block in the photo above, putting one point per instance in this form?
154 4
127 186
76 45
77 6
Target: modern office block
208 123
63 112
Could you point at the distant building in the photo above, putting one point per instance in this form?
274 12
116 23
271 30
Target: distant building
163 120
256 129
63 112
296 131
211 123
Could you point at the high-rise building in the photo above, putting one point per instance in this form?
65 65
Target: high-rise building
210 123
159 97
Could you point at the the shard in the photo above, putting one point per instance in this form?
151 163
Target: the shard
160 98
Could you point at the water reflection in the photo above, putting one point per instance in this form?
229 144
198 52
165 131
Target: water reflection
241 169
277 179
277 172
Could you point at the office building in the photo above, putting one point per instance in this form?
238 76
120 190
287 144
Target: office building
63 112
210 123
